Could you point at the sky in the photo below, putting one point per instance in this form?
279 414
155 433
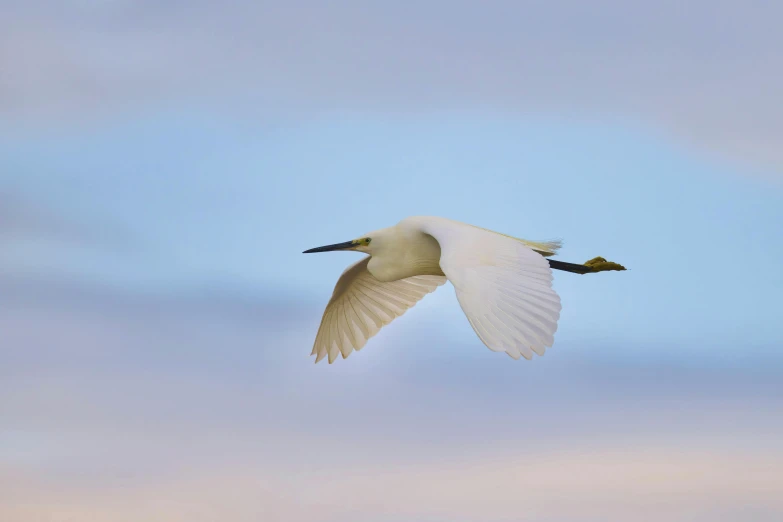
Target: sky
164 164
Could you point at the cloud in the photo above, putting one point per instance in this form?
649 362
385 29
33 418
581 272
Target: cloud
126 405
122 406
19 218
38 237
641 481
23 218
708 72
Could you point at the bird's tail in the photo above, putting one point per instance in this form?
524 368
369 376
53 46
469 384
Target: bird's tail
597 264
545 248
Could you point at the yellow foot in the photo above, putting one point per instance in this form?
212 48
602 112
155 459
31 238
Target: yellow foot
599 264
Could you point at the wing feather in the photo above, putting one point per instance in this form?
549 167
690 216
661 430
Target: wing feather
503 286
361 305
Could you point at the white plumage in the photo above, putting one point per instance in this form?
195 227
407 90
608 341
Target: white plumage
361 305
503 284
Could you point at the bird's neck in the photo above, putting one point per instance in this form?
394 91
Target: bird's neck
407 256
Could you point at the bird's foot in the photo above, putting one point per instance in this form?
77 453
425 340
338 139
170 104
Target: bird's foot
599 264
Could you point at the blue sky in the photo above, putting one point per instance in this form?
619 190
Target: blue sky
179 201
163 166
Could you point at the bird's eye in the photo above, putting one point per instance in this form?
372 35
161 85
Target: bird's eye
367 240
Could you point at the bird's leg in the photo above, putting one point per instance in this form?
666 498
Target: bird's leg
599 264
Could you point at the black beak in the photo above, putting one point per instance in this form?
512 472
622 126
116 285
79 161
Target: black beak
329 248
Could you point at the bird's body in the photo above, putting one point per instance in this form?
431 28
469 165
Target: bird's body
503 284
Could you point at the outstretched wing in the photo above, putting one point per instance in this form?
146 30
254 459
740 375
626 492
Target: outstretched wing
503 286
361 305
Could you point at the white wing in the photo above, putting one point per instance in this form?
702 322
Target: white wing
503 286
361 305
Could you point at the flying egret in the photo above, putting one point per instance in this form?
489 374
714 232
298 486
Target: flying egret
503 284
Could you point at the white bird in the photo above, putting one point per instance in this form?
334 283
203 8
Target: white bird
503 284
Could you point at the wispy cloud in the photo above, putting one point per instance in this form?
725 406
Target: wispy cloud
37 236
708 72
131 406
643 481
20 218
